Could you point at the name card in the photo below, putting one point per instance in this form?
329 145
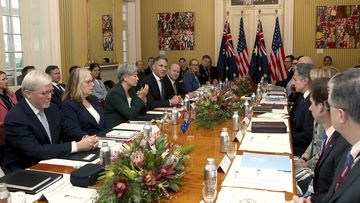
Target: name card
224 164
246 121
238 137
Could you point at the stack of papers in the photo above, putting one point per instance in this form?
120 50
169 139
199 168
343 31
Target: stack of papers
260 171
266 142
135 127
123 135
236 195
168 108
274 100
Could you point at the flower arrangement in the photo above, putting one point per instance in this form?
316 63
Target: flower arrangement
144 170
220 106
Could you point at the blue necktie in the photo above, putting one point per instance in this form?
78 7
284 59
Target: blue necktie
323 143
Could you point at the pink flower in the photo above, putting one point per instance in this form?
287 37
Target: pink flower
120 187
137 159
150 179
165 171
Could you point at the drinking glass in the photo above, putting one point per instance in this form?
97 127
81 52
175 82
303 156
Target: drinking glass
209 191
243 128
250 113
231 149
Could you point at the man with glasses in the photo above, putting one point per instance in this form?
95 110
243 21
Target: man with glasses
190 80
34 131
344 103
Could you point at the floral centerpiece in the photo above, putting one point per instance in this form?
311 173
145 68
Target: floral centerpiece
219 106
144 170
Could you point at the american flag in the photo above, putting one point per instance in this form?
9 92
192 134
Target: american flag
227 56
243 56
259 65
278 70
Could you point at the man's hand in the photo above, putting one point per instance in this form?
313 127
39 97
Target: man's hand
175 100
87 143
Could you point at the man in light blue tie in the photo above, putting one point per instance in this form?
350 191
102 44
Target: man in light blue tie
35 130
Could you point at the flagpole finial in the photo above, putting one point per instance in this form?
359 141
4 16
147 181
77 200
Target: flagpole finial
276 11
227 13
259 11
242 12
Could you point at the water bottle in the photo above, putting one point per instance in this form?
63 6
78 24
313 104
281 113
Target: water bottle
4 194
235 121
221 85
253 99
224 139
258 94
187 103
262 84
247 108
174 116
105 154
147 129
210 170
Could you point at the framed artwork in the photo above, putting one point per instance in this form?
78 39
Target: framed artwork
107 30
338 26
176 31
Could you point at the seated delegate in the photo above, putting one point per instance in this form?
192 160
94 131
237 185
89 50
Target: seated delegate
123 102
34 129
80 108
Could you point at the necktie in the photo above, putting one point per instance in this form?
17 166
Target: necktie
197 81
323 143
162 92
60 88
348 164
44 123
174 87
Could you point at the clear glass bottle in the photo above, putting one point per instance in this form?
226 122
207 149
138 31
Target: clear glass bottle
147 129
210 170
105 156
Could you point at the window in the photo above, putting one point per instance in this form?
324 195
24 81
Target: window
124 31
12 39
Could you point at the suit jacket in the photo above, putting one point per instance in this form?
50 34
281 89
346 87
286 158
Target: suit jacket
26 141
117 108
19 95
348 191
189 82
302 123
147 71
178 86
153 97
79 117
4 109
335 149
56 97
206 75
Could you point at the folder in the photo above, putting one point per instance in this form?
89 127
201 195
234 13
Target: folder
87 156
268 127
30 181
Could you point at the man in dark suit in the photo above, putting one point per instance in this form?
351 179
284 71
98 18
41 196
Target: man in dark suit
34 131
344 102
159 94
172 79
24 71
148 70
208 74
302 122
59 88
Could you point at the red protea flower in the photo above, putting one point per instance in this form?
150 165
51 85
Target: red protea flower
137 159
120 187
150 179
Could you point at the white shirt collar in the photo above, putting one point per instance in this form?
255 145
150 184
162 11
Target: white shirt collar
33 108
156 77
329 132
306 94
355 149
172 81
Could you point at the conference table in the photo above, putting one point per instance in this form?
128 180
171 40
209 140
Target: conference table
205 142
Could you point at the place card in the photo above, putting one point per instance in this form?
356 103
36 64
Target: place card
238 137
246 120
224 164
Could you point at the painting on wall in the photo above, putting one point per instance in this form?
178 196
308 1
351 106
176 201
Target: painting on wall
176 31
107 30
338 26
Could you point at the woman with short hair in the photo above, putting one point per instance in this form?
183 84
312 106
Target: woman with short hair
80 108
123 102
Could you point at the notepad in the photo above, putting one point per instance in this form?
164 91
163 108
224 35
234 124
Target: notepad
122 134
30 181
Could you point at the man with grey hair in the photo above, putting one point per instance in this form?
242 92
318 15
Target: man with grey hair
302 121
344 102
159 94
34 131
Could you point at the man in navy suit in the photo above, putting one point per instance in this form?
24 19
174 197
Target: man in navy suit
59 88
302 121
34 129
344 102
160 92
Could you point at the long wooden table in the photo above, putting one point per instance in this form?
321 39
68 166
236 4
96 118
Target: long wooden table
206 144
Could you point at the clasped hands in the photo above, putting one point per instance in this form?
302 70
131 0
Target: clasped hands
88 143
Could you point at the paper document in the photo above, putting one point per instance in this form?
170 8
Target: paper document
266 142
273 100
236 195
168 108
71 163
155 112
258 178
266 161
136 127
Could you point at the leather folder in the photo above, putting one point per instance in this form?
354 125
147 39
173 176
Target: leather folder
268 127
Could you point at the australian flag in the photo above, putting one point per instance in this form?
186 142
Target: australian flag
259 65
226 64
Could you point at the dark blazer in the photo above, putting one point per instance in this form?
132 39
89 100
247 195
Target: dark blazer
206 74
80 118
153 96
189 82
56 97
147 71
26 141
302 124
178 86
283 83
117 108
348 191
335 149
19 95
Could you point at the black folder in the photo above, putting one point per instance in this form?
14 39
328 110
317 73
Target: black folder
30 181
87 156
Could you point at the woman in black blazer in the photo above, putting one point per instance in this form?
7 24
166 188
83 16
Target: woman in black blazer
123 102
80 108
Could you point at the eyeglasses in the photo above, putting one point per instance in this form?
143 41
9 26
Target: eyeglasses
45 94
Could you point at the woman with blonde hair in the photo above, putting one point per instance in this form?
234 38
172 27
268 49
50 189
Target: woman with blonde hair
80 108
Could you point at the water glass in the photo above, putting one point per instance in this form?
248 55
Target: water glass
243 128
18 197
209 191
231 149
250 113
